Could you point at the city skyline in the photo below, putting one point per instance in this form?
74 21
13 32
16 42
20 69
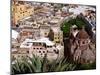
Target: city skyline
53 31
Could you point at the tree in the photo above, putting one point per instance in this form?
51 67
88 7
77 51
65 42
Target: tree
51 35
66 25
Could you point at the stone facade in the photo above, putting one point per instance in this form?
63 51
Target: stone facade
80 49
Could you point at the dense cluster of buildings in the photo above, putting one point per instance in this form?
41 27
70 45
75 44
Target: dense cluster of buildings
36 29
20 10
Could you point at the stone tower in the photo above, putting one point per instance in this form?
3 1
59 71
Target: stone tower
80 48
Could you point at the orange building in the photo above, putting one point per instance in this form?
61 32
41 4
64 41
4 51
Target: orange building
20 10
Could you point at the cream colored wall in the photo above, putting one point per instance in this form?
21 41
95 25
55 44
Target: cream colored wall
36 52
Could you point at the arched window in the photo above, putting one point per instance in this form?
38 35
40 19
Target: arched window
83 42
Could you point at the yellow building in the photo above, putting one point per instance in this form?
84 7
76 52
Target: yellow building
20 11
58 37
56 34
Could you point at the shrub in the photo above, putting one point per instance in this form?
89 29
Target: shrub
36 65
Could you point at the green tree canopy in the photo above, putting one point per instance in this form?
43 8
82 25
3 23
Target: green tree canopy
66 25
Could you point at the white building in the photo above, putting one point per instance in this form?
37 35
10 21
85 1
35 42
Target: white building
15 38
44 30
42 47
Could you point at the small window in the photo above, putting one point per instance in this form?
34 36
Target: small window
55 38
12 46
39 43
33 48
27 44
40 48
48 46
57 41
45 33
43 51
54 50
39 51
21 9
37 48
83 42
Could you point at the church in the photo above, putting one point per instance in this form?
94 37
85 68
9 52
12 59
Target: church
80 45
